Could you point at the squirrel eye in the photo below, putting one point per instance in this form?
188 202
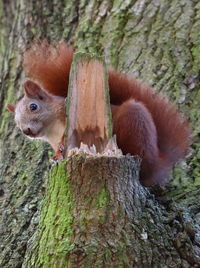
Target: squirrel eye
33 106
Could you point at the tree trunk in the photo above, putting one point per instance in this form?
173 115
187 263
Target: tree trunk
88 215
156 40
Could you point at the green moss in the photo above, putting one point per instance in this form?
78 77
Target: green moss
196 55
107 255
56 219
96 209
102 199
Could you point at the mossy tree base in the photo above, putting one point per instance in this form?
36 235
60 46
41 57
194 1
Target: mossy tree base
87 215
96 214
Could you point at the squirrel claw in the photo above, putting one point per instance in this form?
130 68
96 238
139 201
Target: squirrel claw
59 153
57 157
62 148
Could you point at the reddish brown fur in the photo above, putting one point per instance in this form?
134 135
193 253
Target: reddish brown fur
149 126
174 133
136 134
50 66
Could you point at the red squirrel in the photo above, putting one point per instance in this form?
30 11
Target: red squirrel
145 122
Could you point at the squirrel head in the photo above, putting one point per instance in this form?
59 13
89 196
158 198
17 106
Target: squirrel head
38 112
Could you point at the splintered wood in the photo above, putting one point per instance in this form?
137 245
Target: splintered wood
88 107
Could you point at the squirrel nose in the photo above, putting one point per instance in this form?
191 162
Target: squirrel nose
27 131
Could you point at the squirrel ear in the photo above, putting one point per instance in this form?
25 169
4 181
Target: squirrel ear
34 91
11 107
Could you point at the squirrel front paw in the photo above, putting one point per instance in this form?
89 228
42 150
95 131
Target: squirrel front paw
59 153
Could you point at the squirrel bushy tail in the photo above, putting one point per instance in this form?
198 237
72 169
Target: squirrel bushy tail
173 131
136 134
50 66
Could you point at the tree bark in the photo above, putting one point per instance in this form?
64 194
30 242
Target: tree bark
158 41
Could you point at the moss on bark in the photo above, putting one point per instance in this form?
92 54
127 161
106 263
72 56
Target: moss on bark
55 238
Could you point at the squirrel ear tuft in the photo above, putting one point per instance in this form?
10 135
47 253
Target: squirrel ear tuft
10 107
33 90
